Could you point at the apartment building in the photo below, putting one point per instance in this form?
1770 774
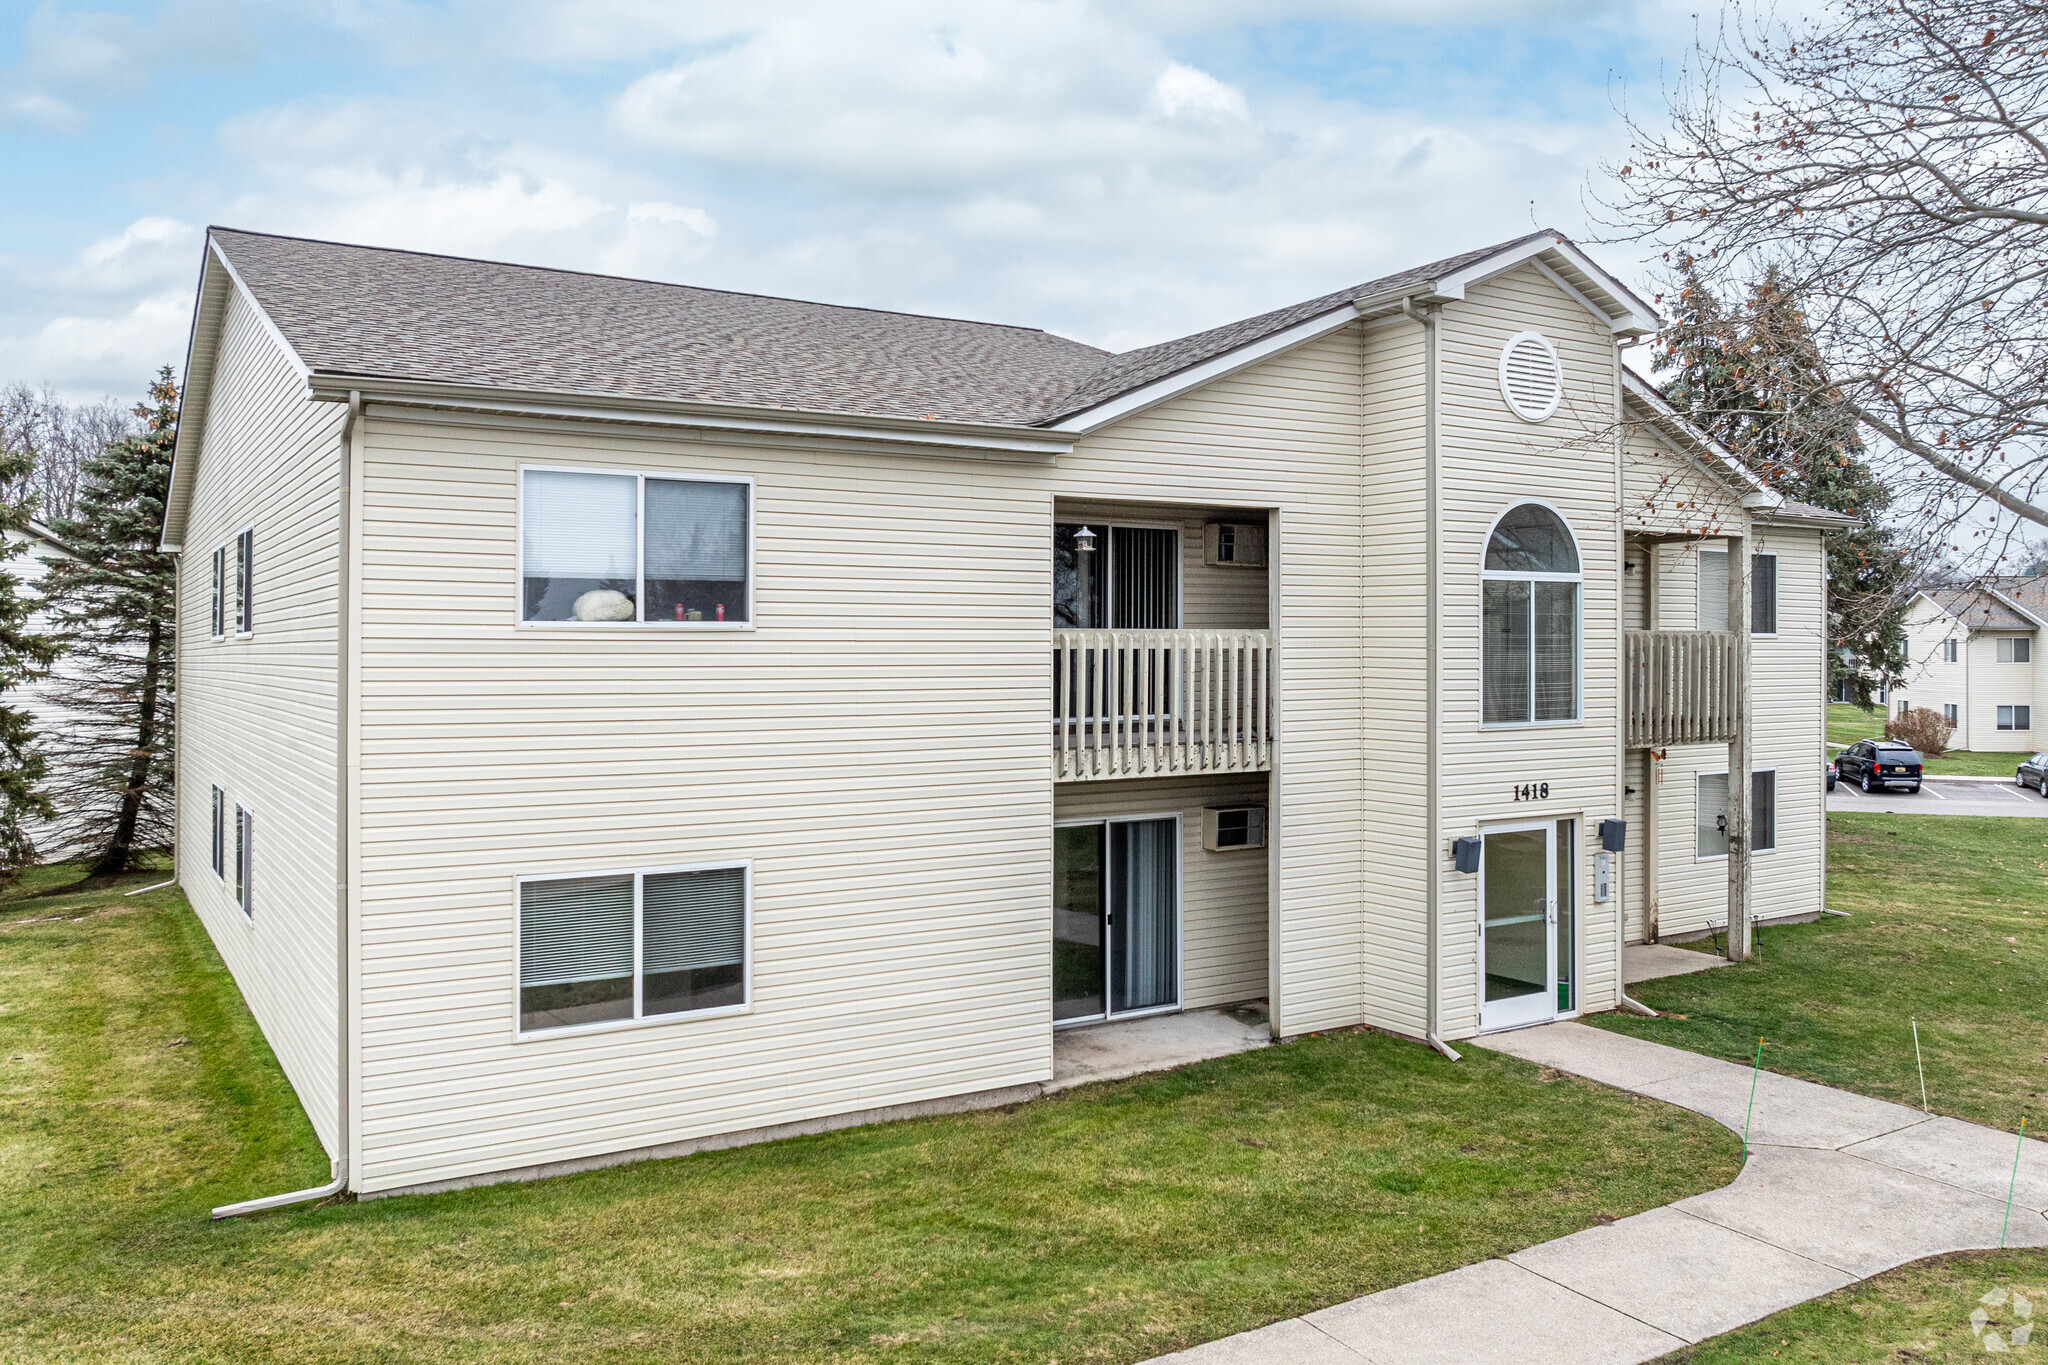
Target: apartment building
620 717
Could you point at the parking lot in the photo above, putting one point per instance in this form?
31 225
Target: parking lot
1940 797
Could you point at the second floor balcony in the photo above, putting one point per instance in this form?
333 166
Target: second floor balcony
1681 687
1161 703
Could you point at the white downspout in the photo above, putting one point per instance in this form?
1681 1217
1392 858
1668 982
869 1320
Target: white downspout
341 848
1434 889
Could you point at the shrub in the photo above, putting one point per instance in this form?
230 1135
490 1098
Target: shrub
1924 729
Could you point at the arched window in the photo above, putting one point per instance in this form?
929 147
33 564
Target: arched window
1529 629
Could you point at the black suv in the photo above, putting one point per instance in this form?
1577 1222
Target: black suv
1880 763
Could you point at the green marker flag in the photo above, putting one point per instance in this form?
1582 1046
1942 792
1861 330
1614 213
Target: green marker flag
2012 1184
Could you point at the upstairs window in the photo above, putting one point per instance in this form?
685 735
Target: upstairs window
2015 649
1949 651
220 834
600 548
1529 626
1763 594
1115 577
220 592
245 582
1712 610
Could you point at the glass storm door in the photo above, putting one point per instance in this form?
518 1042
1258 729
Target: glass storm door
1520 881
1116 919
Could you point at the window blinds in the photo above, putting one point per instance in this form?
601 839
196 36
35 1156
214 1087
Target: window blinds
575 929
691 920
1557 652
1145 578
1763 811
580 525
1763 594
1713 603
696 531
1143 856
1505 671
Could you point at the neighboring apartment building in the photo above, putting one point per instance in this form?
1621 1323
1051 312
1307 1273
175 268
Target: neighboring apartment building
621 716
1971 654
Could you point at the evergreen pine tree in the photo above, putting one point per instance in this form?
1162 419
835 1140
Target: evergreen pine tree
1754 381
25 655
115 608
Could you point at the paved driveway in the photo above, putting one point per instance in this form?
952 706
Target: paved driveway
1943 798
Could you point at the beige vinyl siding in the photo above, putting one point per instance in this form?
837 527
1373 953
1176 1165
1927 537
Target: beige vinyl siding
1213 597
1931 681
1789 677
1283 435
1635 808
877 747
257 715
1492 461
1999 684
1223 894
1393 677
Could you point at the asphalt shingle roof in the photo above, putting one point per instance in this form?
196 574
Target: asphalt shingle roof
378 313
1979 610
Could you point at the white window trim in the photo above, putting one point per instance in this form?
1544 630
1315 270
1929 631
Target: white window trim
217 848
217 623
1180 913
1487 575
1772 633
639 876
639 550
1700 857
2015 728
244 602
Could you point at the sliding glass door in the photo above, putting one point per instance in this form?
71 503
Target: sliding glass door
1116 918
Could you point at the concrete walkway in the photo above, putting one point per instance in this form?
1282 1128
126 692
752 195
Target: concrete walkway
1838 1187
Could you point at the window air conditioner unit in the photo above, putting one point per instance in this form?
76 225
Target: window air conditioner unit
1228 827
1234 545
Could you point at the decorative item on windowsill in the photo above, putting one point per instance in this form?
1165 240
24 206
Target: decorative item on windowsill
603 604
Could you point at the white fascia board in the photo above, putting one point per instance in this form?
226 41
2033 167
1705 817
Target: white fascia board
1641 390
1635 317
1929 598
925 437
270 328
2038 623
1209 371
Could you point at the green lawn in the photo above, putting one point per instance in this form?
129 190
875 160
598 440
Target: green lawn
1949 925
1848 723
1918 1313
1109 1224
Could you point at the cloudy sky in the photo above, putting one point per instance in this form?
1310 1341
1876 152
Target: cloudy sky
1117 173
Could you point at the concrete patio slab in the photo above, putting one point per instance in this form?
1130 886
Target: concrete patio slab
1611 1058
1856 1215
1291 1340
1492 1313
1681 1274
1967 1156
1112 1051
1787 1112
1648 961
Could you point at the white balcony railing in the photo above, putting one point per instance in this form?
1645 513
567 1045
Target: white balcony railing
1150 703
1683 687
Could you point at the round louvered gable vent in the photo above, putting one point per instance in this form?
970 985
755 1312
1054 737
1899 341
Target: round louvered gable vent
1530 377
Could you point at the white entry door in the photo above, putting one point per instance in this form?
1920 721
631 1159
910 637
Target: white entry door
1525 923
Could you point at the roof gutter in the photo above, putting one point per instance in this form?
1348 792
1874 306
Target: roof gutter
985 440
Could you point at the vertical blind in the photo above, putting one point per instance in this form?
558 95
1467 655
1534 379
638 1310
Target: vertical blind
575 929
1763 811
1142 900
1763 594
691 920
1713 604
696 531
1145 578
220 591
1555 641
245 581
580 525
